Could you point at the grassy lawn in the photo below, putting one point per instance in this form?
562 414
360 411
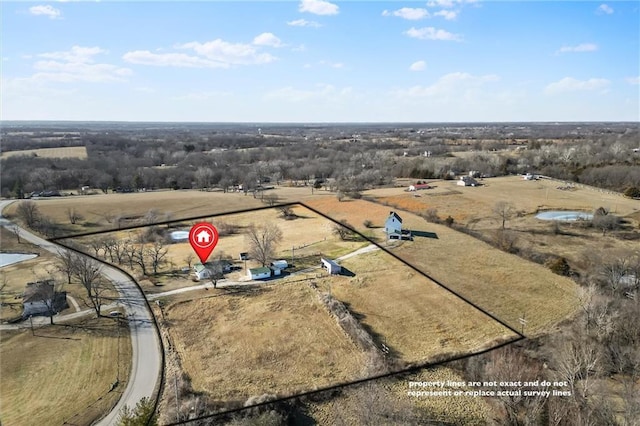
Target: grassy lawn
63 373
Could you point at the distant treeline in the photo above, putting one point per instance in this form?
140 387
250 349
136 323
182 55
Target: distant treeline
201 157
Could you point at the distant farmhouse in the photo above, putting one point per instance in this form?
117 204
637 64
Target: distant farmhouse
467 181
40 298
393 228
419 186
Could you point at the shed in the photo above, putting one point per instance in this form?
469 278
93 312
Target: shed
259 273
280 264
332 266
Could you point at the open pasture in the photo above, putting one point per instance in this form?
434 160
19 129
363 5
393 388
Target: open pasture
465 204
275 339
79 152
503 284
413 316
63 373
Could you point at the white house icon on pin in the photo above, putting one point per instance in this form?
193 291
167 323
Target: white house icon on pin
203 237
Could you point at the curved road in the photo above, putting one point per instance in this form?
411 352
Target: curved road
146 353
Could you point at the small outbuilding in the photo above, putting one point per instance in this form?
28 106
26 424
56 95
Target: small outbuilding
467 181
419 186
259 273
331 266
280 264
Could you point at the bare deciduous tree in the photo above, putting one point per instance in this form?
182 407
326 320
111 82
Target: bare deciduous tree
28 212
157 255
88 273
263 241
65 263
504 210
73 215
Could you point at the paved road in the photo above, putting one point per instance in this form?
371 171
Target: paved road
147 357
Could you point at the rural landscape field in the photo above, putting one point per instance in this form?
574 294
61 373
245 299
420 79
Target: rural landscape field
476 273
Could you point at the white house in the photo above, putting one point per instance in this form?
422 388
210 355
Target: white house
331 266
202 272
40 298
467 181
393 225
259 273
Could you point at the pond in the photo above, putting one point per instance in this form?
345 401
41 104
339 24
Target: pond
7 259
564 216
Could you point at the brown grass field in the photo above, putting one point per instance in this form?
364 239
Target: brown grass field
503 284
413 316
63 152
392 392
277 340
63 373
472 203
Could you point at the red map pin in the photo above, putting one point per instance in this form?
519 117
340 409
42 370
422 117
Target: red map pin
203 237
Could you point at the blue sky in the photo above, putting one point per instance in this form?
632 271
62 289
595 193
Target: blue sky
320 61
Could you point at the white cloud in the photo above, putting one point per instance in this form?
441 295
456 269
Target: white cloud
267 39
304 23
332 64
229 53
45 10
569 84
418 66
449 3
144 89
211 54
318 7
202 96
604 8
448 86
76 54
430 33
633 80
180 60
409 13
584 47
74 65
441 3
449 15
323 92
